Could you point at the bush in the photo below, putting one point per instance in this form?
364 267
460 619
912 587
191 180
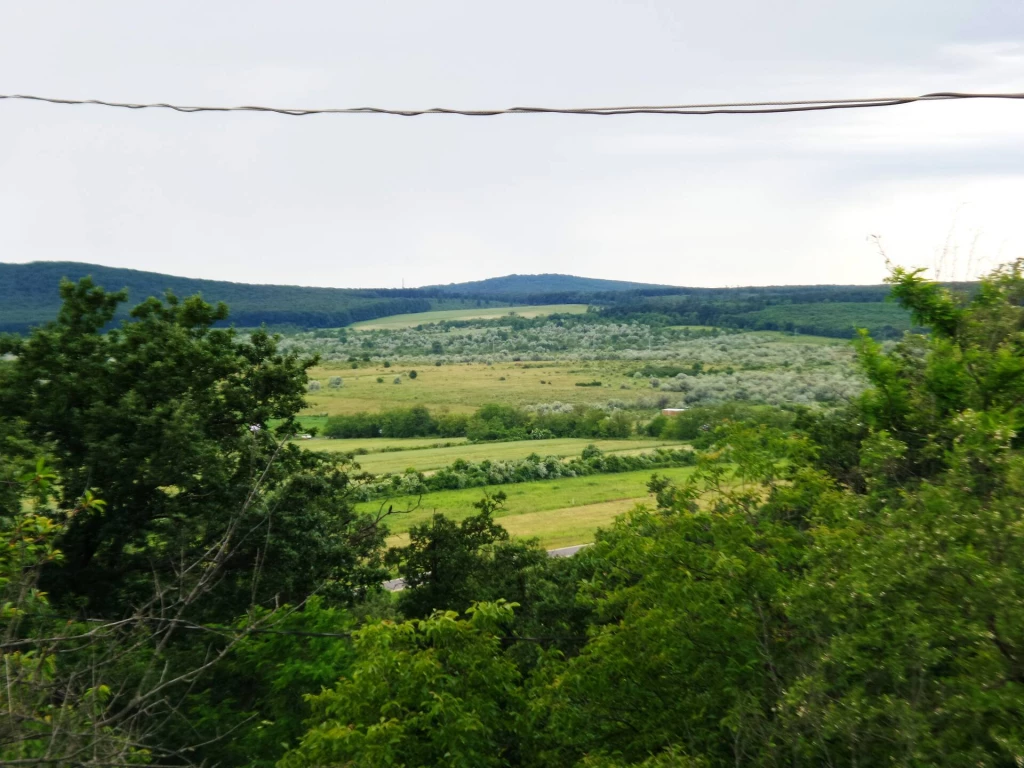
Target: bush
452 425
399 422
413 374
700 421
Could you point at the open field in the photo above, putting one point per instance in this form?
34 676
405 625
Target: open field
379 444
464 387
797 362
559 512
480 313
565 527
435 458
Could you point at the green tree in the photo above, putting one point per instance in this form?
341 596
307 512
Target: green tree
692 647
254 704
786 615
435 691
448 565
171 418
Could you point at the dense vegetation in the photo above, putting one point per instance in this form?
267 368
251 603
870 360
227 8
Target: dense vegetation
29 297
496 422
838 586
835 311
883 320
491 422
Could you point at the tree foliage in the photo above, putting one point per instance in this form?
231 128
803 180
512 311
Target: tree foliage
170 417
435 691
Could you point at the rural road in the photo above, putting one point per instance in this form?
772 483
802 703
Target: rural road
397 585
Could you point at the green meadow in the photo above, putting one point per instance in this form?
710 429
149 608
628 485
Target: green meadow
374 445
480 313
464 387
434 458
559 512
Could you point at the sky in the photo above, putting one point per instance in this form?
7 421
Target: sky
373 201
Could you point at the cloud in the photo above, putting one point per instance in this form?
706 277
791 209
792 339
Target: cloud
365 201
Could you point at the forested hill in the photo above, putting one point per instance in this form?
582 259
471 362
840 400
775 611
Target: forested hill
28 296
822 310
527 285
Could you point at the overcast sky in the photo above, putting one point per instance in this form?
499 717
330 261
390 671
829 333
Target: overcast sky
370 201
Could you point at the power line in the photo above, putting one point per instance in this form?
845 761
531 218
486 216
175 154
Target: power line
729 108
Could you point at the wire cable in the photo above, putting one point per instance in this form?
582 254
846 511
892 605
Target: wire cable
728 108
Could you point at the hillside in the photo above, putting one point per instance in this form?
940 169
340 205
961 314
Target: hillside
527 285
28 296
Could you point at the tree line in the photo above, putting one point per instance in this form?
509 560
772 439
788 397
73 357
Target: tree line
490 422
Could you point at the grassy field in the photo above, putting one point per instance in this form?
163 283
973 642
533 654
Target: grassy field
559 512
480 313
464 387
379 444
435 458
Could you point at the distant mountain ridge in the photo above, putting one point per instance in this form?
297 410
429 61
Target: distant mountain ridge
29 296
543 283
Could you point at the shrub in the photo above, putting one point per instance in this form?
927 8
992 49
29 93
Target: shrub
413 374
398 422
